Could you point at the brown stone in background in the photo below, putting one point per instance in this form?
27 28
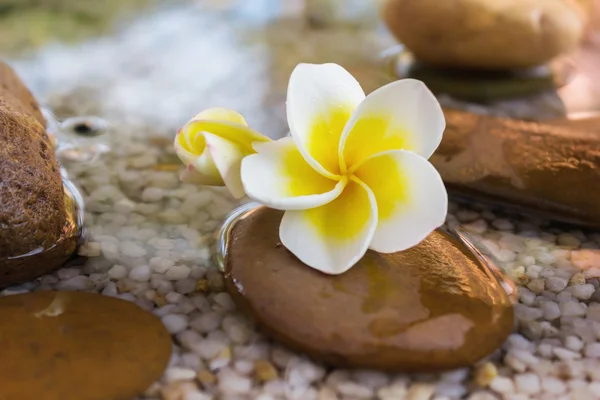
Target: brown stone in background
78 346
545 168
432 307
486 34
36 230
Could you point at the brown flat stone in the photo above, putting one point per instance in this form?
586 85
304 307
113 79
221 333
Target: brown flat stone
541 168
432 307
78 346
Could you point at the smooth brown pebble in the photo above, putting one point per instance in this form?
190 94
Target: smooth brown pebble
486 34
78 346
432 307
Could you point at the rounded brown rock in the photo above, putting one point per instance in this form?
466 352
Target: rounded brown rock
486 34
20 96
36 227
78 346
432 307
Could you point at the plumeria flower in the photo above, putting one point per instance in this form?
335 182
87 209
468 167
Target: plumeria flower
212 145
354 174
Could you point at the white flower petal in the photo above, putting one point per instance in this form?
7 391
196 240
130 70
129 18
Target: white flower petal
401 115
279 177
334 237
209 176
320 101
411 198
227 159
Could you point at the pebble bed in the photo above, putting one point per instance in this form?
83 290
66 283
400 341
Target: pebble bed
150 241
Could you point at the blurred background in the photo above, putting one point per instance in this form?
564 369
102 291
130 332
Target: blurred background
154 63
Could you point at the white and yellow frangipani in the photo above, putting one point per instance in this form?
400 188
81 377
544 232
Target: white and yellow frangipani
354 174
212 145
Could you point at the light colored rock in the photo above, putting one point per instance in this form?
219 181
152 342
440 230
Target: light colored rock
117 272
175 323
527 383
556 284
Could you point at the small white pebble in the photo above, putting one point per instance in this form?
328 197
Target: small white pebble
565 354
556 283
502 384
152 194
131 249
553 385
450 389
207 322
537 286
117 272
355 390
161 243
455 376
110 289
525 313
140 273
592 350
593 312
573 343
420 391
505 255
479 226
160 265
395 391
550 310
526 296
528 383
482 395
175 323
564 296
177 272
185 286
209 348
196 395
244 366
594 387
67 273
173 297
224 301
90 249
231 382
179 374
572 308
584 291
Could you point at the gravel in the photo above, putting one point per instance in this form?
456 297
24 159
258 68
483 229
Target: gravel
152 258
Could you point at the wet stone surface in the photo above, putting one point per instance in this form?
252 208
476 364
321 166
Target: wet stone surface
432 307
78 346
